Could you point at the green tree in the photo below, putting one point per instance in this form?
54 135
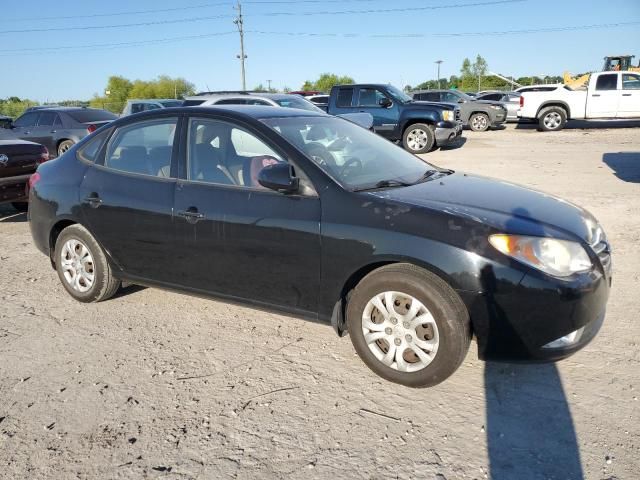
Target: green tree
326 81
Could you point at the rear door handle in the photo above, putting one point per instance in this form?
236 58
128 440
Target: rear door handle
191 215
93 199
595 95
626 94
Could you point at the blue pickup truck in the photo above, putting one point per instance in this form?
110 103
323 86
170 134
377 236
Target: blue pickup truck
420 126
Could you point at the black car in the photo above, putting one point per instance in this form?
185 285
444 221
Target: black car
18 161
311 215
57 128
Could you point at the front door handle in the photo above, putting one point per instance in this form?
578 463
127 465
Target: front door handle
191 215
595 95
93 199
626 94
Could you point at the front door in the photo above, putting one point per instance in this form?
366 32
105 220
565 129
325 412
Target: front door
629 106
385 118
603 100
44 131
239 239
127 198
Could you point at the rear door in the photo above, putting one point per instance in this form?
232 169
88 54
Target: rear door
603 98
629 106
127 197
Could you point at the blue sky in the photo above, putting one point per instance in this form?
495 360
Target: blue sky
210 62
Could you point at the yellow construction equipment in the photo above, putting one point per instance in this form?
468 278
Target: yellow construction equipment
612 63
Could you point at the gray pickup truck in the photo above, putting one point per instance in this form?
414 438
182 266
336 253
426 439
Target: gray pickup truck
478 115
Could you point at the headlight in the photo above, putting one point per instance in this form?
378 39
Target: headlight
448 115
497 107
559 258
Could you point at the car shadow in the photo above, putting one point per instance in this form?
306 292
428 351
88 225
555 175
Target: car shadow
455 145
8 214
584 124
625 165
530 432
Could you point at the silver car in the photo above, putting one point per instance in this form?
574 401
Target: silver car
250 98
510 99
138 105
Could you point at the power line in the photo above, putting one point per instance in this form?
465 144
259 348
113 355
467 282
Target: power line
117 14
268 14
318 34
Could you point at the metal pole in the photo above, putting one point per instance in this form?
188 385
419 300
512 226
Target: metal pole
439 62
269 82
239 23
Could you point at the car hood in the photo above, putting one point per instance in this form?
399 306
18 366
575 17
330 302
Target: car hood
506 207
420 104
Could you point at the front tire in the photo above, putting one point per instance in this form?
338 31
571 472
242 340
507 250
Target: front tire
64 146
479 122
408 325
82 266
419 138
552 119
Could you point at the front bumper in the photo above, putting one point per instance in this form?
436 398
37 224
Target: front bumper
516 322
499 118
448 132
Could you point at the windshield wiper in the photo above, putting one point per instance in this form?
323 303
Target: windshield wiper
384 184
430 173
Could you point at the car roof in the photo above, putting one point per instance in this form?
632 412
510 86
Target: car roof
153 100
214 95
64 109
257 112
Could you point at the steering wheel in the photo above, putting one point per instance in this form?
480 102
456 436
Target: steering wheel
348 164
320 155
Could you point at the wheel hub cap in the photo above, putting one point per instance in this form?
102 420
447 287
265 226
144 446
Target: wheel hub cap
417 139
400 331
77 265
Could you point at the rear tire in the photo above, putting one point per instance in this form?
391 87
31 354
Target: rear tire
20 206
425 314
552 119
479 122
419 138
82 266
64 146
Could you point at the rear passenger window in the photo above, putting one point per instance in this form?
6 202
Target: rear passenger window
143 148
345 95
46 119
89 151
607 82
630 82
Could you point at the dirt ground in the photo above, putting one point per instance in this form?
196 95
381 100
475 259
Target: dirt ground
154 384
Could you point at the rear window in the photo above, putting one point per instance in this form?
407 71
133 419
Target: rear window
89 115
607 82
192 103
345 95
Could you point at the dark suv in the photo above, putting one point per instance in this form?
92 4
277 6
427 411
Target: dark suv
57 128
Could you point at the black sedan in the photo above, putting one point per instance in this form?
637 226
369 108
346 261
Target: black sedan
313 216
18 161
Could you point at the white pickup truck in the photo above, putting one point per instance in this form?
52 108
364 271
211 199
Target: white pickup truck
607 95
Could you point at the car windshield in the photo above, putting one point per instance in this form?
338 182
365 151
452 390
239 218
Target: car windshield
356 158
297 102
89 115
170 103
398 95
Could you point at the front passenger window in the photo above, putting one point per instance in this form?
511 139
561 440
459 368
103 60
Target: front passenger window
144 148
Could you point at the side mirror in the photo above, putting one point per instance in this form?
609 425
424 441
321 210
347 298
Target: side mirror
385 102
279 177
462 100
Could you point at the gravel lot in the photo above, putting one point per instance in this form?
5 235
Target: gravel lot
154 384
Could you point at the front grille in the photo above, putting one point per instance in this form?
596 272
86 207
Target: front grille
457 110
602 249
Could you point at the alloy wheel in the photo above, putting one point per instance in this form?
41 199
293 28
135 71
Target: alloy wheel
552 120
417 139
479 122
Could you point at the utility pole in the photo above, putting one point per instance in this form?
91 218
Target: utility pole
269 88
439 62
239 23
